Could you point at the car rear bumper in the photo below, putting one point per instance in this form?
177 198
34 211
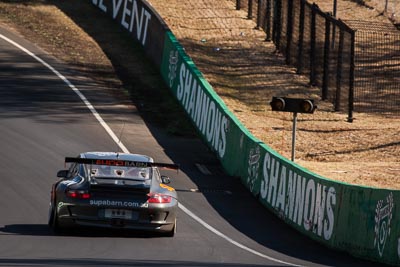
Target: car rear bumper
69 222
157 220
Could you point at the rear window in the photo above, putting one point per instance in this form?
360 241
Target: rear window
105 171
119 175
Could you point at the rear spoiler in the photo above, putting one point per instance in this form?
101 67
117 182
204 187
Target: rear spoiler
122 163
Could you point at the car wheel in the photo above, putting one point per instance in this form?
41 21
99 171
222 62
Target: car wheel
172 232
53 221
51 216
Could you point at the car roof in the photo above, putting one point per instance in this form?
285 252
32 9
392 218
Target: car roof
117 156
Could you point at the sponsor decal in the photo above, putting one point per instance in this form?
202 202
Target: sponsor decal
100 4
68 182
167 187
173 66
60 204
133 18
254 165
115 203
211 122
383 218
302 201
123 163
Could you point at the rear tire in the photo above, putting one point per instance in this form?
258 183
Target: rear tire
51 216
53 221
172 232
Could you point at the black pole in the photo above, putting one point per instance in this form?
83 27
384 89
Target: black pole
277 29
301 37
289 31
259 13
334 7
250 10
312 45
339 72
268 21
238 4
351 85
325 78
334 25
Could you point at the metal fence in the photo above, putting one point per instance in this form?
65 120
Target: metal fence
357 67
317 44
377 72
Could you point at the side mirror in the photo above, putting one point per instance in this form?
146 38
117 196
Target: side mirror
165 179
62 173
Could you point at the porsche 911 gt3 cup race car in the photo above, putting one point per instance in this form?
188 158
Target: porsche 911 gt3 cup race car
114 190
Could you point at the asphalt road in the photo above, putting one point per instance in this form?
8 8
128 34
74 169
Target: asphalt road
42 120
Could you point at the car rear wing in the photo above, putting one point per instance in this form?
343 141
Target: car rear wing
122 163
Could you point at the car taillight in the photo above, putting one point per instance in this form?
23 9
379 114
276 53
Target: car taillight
158 198
82 194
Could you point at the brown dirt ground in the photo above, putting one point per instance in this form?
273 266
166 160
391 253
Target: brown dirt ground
246 72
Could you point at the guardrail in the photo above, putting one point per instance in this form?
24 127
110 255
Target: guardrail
360 220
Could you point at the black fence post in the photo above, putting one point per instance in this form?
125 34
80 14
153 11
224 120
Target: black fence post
289 31
279 24
351 85
250 10
268 21
338 101
301 37
312 44
277 28
334 25
238 5
327 45
259 13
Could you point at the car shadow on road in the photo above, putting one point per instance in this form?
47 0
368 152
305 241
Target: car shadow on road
45 230
111 263
26 229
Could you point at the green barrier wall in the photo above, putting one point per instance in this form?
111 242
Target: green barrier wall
140 21
358 220
362 221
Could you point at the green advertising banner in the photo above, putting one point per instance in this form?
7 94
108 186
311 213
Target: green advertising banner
358 220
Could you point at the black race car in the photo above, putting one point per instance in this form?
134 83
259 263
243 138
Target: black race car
114 190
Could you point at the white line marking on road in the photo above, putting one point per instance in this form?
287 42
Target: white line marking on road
81 96
230 240
124 149
203 169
